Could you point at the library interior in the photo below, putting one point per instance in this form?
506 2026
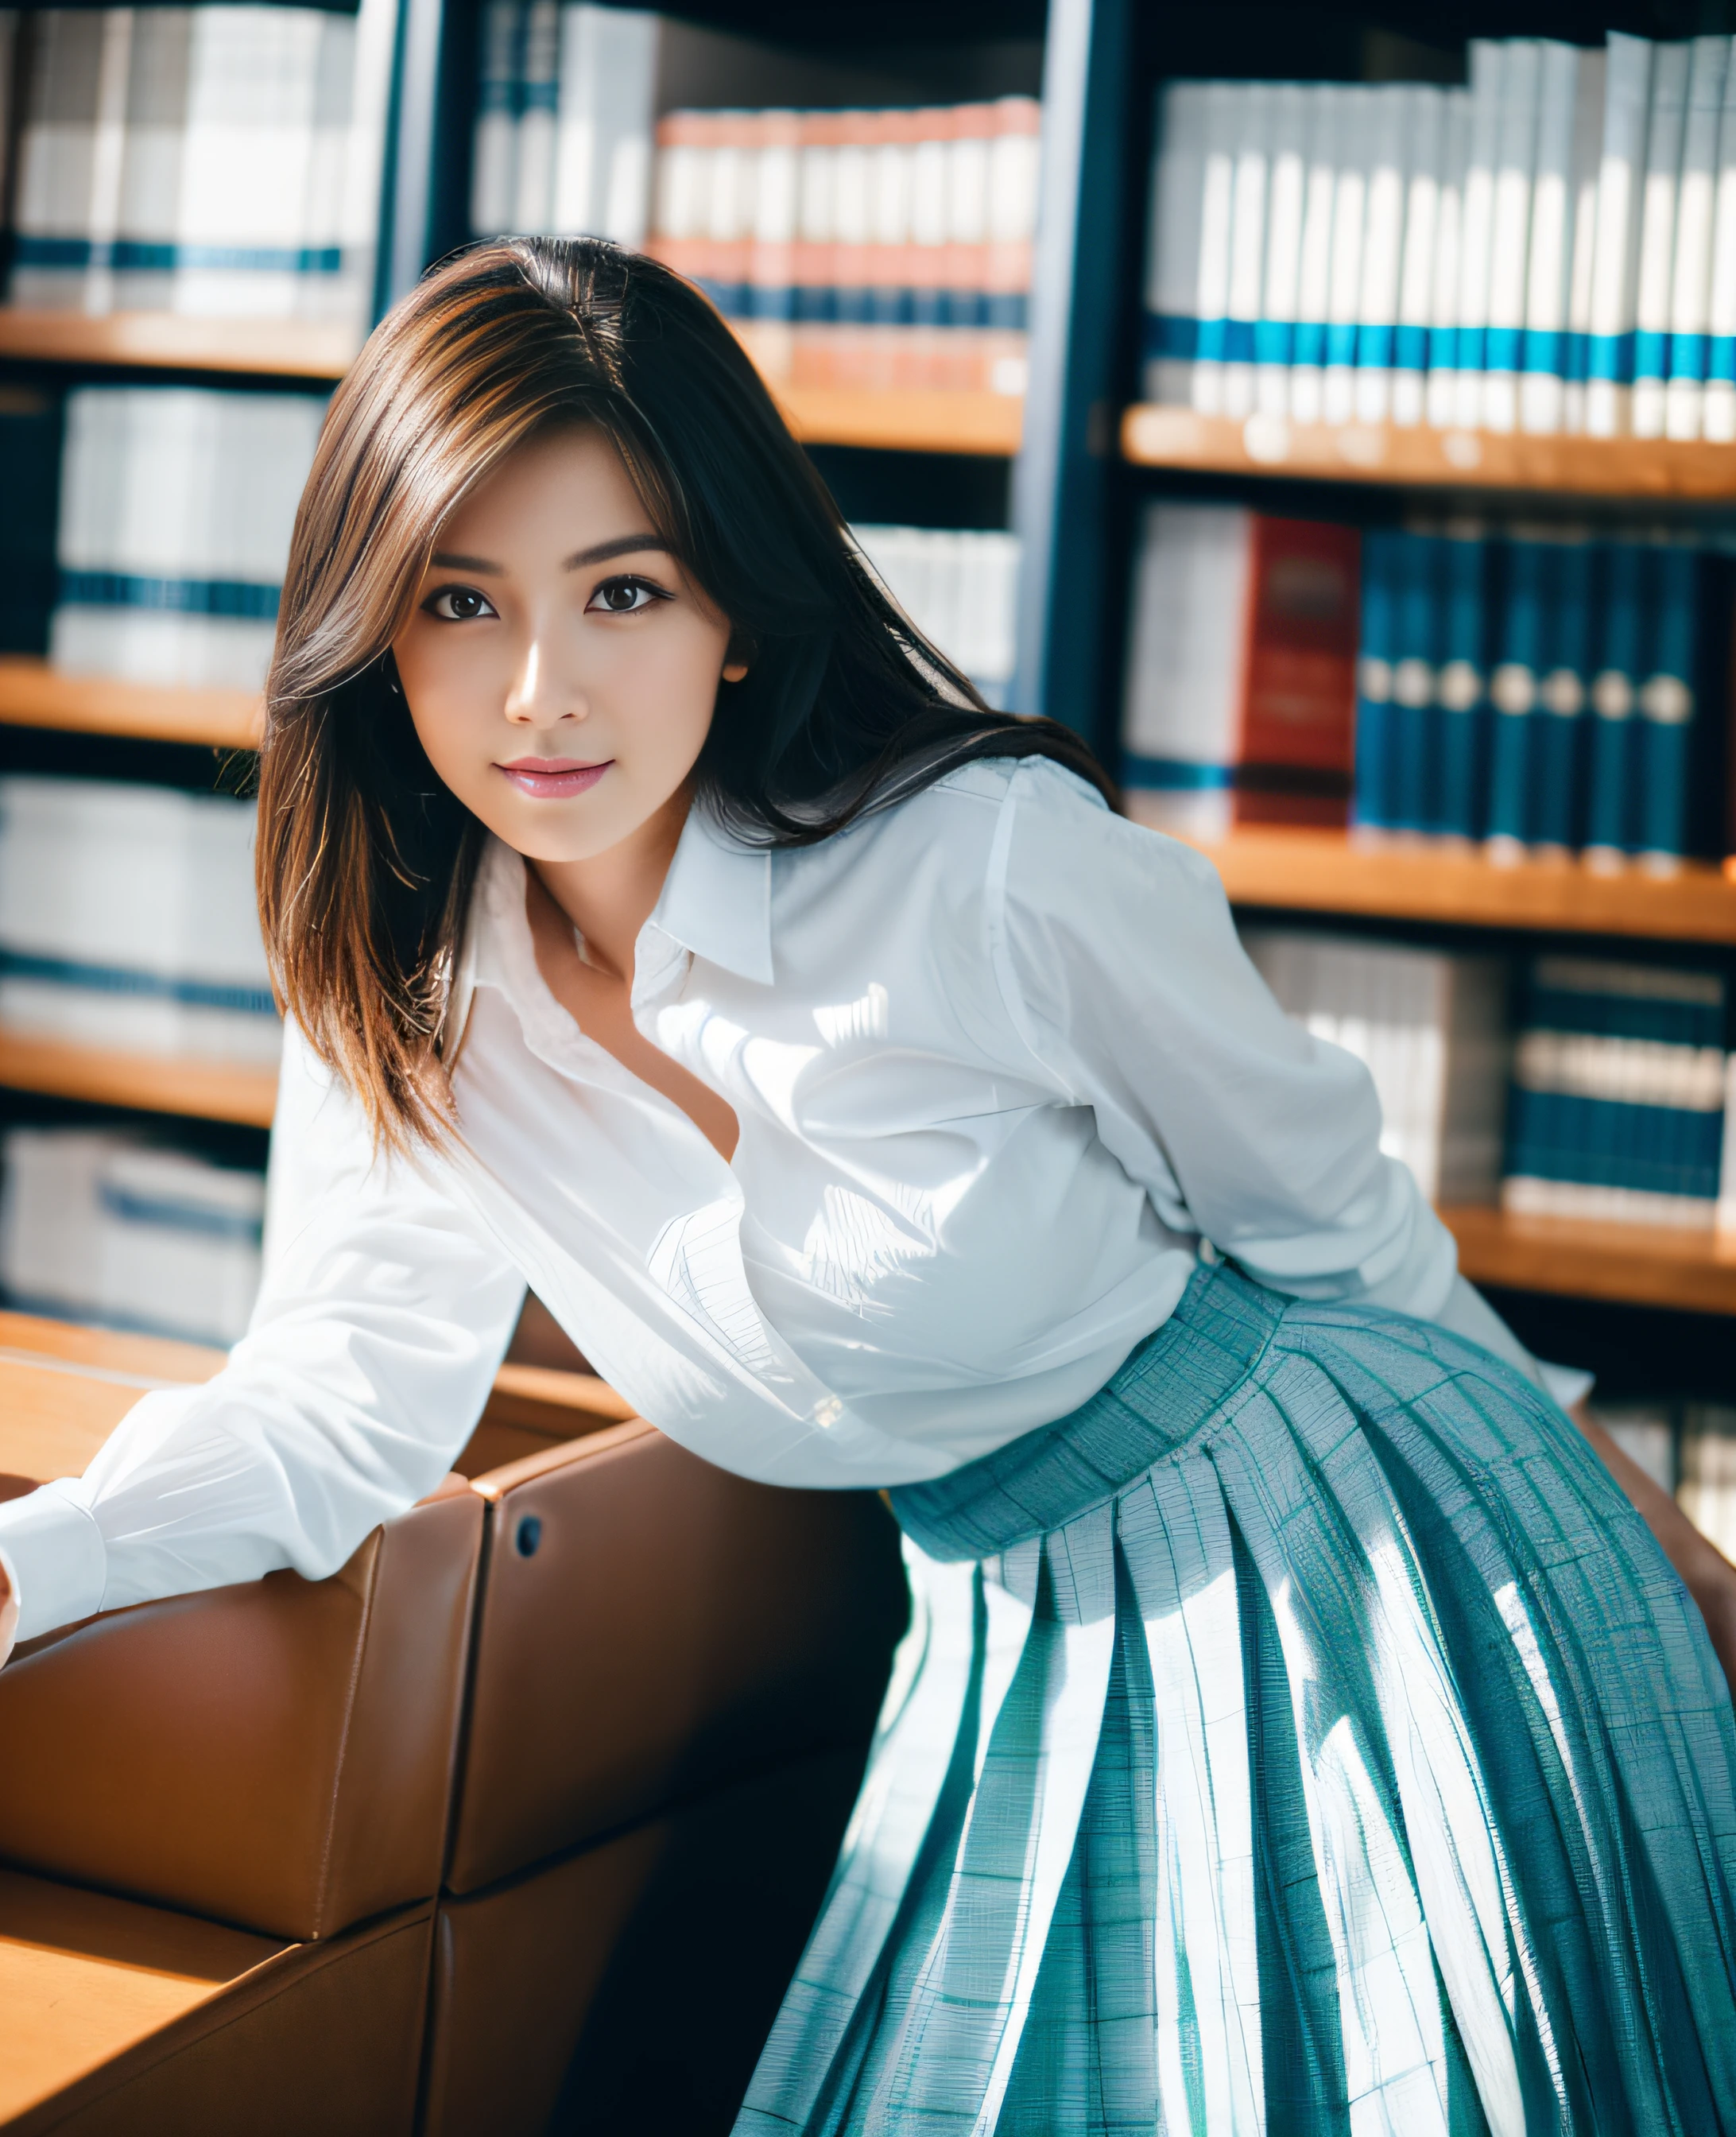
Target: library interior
1327 411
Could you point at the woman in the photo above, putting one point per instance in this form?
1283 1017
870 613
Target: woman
1297 1729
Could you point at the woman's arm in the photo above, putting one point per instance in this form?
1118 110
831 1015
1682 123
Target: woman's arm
383 1315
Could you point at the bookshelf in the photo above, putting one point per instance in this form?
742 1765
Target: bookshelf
1327 872
1637 470
32 695
168 341
1623 1264
145 1083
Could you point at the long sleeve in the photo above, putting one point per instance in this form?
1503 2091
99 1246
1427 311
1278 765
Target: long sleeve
384 1312
1120 962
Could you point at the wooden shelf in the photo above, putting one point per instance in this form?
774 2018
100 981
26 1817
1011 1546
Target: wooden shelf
1326 872
1632 468
1693 1271
938 422
155 1083
32 695
275 348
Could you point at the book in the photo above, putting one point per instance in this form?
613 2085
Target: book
1525 569
1441 394
1274 331
960 588
1382 251
537 100
1431 1028
1691 274
1357 113
494 137
1372 805
1654 271
1587 177
1616 1109
67 203
1241 674
128 920
123 1229
1462 712
1718 418
1615 264
1554 806
176 504
1615 690
1488 68
1413 776
1515 159
1665 705
1425 127
1244 289
1313 263
1175 227
1548 274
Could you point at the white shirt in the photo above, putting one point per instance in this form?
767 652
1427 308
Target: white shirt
1000 1069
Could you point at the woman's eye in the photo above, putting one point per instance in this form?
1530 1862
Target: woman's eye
624 596
458 605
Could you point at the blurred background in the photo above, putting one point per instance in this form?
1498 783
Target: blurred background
1329 411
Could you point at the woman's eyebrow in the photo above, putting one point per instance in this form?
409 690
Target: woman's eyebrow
449 560
623 545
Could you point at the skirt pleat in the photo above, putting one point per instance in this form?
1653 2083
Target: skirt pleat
1306 1737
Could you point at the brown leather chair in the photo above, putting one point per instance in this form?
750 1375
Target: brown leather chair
227 1815
676 1674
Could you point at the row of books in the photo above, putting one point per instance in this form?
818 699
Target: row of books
123 1229
1596 1090
128 920
961 590
1542 691
1551 249
1535 689
176 504
213 160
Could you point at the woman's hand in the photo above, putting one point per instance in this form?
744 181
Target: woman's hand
8 1615
1706 1573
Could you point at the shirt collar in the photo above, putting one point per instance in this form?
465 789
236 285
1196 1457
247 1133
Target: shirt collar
716 899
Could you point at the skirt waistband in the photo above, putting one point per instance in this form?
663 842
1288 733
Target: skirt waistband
1165 1395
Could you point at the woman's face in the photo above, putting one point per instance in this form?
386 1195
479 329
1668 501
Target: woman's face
560 668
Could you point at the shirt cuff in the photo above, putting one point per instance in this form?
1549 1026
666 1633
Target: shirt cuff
55 1559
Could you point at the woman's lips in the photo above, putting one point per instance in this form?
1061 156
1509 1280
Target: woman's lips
553 778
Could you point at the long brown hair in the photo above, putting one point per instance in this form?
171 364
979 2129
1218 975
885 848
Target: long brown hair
366 862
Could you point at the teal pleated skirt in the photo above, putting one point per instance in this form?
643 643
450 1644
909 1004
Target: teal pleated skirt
1305 1736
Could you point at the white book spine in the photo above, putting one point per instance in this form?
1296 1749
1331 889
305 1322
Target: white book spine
1587 167
1441 391
1695 207
1510 232
327 273
1314 274
1274 331
1349 224
1247 245
1383 250
494 145
1543 385
1172 259
604 116
150 184
1653 292
1424 126
1718 419
1476 232
1626 103
1217 205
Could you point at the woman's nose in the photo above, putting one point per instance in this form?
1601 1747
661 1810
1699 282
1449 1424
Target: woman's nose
541 694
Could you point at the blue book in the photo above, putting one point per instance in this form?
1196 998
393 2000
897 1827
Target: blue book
1462 699
1411 781
1558 757
1666 708
1380 583
1610 773
1519 656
